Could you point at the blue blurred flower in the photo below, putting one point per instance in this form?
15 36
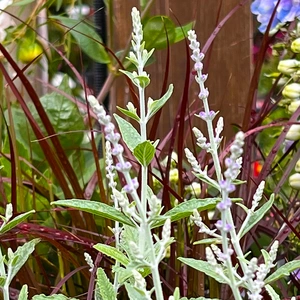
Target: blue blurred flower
286 11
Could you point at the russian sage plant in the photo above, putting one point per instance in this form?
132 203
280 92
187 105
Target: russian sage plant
253 278
144 251
137 210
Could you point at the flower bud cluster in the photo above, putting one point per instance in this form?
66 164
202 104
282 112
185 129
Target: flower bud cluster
193 162
117 150
198 57
233 163
257 196
262 271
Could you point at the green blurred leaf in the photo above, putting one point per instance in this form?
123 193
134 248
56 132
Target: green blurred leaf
204 267
156 105
23 293
144 153
129 134
87 38
283 271
181 32
156 30
22 2
16 221
113 253
258 215
96 208
185 209
104 286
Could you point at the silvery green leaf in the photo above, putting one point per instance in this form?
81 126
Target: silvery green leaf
23 293
203 266
155 105
130 75
131 113
104 286
208 180
208 241
15 221
135 293
244 207
113 253
144 153
96 208
141 81
283 271
20 257
258 215
138 80
146 55
129 134
272 293
185 209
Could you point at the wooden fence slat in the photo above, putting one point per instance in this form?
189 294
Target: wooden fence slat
229 64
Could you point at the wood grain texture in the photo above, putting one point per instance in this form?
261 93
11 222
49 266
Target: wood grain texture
229 63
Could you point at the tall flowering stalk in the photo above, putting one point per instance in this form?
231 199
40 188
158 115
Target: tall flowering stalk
220 260
145 250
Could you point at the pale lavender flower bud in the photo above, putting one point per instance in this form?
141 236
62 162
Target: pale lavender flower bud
113 137
198 67
109 128
132 186
123 167
224 204
203 77
203 94
117 150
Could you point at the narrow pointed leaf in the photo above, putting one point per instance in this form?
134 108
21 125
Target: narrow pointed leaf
272 293
134 293
16 221
129 114
156 105
113 253
96 208
258 215
204 267
283 271
144 153
185 209
129 134
20 257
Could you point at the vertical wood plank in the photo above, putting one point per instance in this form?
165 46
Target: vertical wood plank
229 64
